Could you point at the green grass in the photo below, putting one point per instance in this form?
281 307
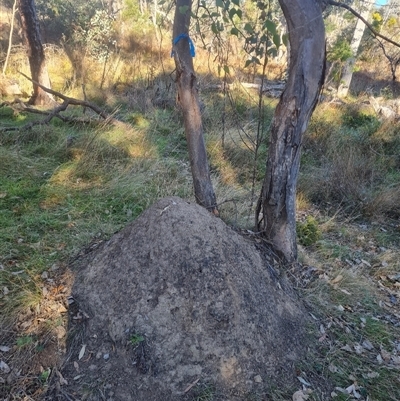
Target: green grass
58 195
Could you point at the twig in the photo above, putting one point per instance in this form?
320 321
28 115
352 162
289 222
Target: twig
191 385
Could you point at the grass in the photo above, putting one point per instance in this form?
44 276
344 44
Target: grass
64 188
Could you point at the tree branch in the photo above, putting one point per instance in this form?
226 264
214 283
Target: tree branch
75 102
358 15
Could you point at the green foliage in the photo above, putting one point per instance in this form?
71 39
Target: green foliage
308 232
63 20
359 120
257 25
136 339
24 341
340 51
44 376
98 35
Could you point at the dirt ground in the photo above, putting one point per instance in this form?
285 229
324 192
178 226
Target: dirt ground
175 306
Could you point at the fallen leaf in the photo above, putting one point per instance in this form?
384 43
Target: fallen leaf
379 359
62 380
353 390
372 375
332 368
302 381
76 366
367 345
396 359
301 395
347 348
60 332
337 279
4 368
385 355
82 352
359 349
366 263
3 195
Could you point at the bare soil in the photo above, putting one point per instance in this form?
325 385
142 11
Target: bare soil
177 305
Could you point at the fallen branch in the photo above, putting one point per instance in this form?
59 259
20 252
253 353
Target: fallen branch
55 113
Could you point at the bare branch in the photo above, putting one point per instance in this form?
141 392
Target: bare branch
369 26
56 112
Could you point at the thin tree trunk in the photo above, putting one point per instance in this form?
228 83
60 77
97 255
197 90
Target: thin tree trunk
276 209
10 37
189 102
37 61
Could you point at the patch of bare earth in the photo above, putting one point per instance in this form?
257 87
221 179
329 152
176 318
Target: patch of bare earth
175 304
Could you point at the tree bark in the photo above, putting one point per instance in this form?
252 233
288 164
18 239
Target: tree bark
37 60
10 37
276 209
348 69
189 101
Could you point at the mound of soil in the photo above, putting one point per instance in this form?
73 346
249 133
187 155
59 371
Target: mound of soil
177 304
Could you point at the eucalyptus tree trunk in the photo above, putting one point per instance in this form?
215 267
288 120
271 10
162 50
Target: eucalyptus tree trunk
188 99
37 61
10 37
276 208
348 69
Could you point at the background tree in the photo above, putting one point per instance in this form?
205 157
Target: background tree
37 60
347 73
183 51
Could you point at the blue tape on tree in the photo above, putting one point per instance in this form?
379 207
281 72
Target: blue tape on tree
191 45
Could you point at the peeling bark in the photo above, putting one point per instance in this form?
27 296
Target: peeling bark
276 209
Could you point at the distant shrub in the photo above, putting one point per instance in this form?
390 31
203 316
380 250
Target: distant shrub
340 51
308 232
358 120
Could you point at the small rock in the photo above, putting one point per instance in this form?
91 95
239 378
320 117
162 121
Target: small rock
4 348
258 379
106 356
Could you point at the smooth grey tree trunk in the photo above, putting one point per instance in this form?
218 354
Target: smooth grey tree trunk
348 69
276 208
37 60
189 102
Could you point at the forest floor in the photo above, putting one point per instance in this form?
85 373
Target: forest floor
65 189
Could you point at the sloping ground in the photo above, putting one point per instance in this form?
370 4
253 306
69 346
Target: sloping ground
175 304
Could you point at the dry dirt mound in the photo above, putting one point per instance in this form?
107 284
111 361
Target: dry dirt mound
177 299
